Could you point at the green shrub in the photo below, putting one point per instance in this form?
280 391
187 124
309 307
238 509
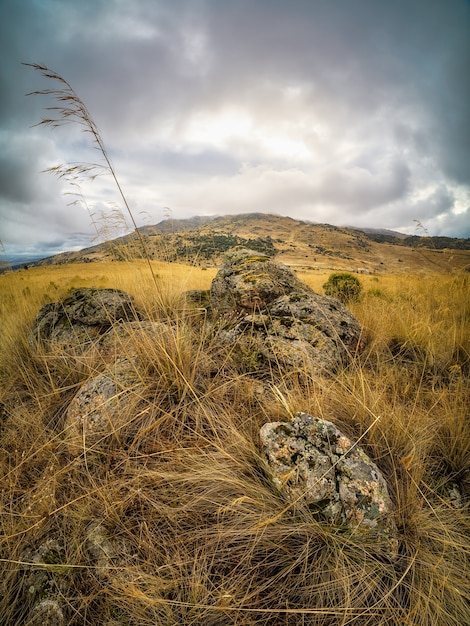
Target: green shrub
344 286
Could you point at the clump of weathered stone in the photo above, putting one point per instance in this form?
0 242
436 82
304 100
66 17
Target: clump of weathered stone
249 281
452 492
314 462
84 314
273 318
98 410
47 613
41 587
100 547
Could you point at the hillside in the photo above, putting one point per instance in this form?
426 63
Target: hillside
322 247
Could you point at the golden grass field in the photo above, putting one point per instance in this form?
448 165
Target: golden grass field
198 535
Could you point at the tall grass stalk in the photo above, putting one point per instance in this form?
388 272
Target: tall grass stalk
71 109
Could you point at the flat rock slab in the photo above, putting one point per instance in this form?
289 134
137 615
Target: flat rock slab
312 461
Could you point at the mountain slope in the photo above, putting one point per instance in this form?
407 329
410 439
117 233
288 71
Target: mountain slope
322 247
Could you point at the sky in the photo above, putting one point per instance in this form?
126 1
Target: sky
347 112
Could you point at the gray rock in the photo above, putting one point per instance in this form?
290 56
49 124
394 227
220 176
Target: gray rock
313 462
452 492
98 410
272 318
100 547
125 338
42 586
46 613
248 281
83 315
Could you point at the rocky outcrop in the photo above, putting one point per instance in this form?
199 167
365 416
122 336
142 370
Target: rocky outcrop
106 321
263 311
83 315
274 319
311 461
249 281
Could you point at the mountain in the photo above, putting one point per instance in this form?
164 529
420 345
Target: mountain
305 246
374 232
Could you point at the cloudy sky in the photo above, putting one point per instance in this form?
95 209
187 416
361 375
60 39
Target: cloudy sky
350 112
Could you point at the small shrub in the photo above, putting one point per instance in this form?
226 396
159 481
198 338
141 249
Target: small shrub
344 286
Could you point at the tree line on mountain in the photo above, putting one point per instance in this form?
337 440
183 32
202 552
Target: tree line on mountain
415 241
208 246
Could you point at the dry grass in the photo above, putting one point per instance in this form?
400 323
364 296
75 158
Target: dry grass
190 529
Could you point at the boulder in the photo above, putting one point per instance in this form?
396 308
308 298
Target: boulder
273 319
83 315
100 408
248 281
313 462
125 338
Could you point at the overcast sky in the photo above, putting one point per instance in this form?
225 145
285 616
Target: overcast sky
350 112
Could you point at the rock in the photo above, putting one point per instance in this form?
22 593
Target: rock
83 315
46 613
248 281
452 492
42 587
103 405
312 461
124 338
198 297
274 319
99 408
100 548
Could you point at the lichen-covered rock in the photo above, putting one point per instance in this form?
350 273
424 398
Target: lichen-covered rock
125 338
312 461
83 315
99 547
47 613
248 281
98 410
110 555
274 319
452 492
42 587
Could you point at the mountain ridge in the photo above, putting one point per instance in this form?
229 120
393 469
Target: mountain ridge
202 240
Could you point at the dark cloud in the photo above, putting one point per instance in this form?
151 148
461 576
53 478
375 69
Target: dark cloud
348 112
